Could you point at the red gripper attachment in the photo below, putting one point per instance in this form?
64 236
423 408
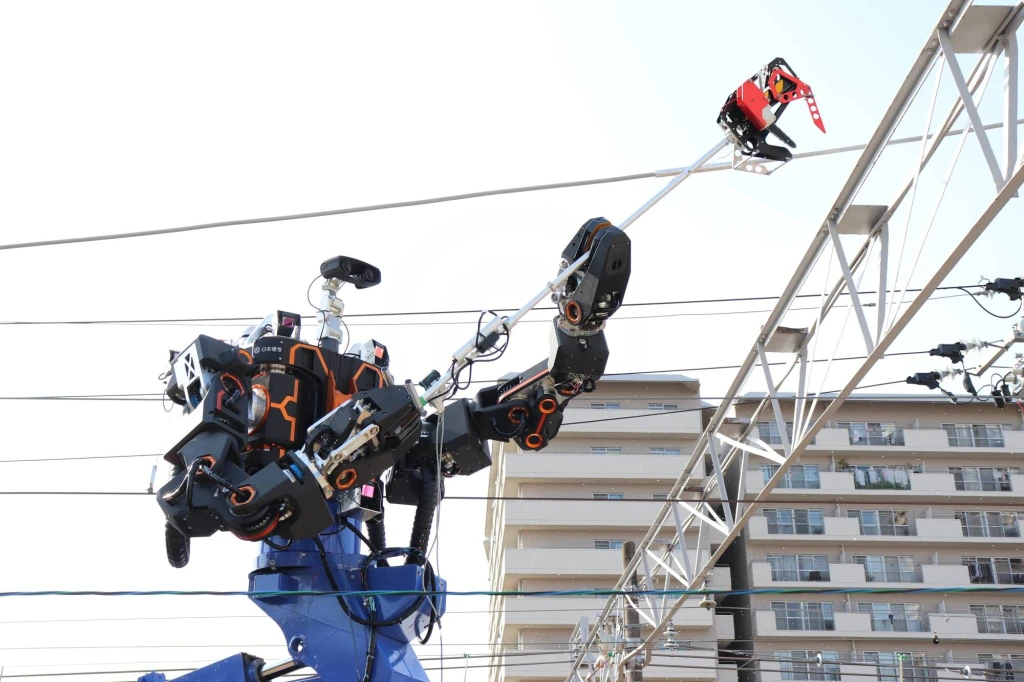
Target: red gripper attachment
784 87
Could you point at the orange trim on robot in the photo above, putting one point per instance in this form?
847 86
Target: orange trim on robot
293 398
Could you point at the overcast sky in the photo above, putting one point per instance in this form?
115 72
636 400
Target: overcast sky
133 116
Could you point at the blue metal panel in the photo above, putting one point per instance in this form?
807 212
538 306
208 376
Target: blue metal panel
317 630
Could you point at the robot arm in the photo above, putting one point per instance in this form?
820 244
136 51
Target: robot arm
528 407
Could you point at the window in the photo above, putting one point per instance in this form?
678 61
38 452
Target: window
988 524
975 435
607 544
604 406
810 567
881 522
873 433
769 432
662 406
666 451
993 618
609 496
799 665
795 521
799 476
797 615
994 570
914 666
886 617
605 451
1002 667
983 478
888 569
659 496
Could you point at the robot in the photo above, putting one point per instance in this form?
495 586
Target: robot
299 445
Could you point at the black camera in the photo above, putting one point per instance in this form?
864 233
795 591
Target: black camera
358 273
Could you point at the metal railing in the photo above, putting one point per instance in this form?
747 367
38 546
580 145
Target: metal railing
881 479
899 623
877 436
776 528
1001 625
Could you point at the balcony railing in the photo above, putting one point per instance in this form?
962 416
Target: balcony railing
877 436
807 623
899 623
775 528
985 574
979 531
902 574
794 575
1008 625
881 479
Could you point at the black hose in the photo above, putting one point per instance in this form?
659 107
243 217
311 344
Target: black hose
177 544
375 525
423 521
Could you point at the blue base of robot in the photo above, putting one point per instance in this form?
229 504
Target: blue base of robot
318 632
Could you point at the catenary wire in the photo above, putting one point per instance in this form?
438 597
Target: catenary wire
156 397
441 199
596 592
733 299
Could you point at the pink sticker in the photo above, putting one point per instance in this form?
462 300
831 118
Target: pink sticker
367 490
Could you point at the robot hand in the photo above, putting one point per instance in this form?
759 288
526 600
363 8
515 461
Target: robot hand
364 437
528 408
217 481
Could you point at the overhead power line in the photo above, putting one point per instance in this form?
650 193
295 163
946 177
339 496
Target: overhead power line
441 199
413 313
157 397
823 590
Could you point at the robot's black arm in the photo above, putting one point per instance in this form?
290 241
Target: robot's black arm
528 407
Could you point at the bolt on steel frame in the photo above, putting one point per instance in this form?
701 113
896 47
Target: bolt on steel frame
607 647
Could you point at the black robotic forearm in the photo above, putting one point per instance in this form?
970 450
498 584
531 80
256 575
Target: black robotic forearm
527 408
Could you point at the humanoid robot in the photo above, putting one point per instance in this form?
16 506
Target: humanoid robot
299 445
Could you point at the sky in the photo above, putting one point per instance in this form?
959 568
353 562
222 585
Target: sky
126 116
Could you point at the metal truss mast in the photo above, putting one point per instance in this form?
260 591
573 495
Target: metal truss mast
608 648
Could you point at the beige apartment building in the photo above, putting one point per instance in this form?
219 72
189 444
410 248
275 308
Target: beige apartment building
896 491
904 492
595 487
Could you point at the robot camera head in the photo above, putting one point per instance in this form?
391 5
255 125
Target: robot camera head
359 273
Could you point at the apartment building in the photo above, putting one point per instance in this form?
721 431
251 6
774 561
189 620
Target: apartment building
597 485
894 492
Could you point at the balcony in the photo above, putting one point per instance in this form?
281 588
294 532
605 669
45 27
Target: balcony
620 468
640 422
677 666
899 622
588 513
923 531
933 440
539 612
848 625
855 574
859 484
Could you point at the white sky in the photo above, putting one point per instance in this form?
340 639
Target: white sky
132 116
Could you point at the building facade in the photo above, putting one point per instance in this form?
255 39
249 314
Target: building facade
575 503
895 492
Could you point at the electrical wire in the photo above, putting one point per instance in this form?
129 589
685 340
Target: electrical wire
732 299
707 168
597 592
152 397
1001 317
